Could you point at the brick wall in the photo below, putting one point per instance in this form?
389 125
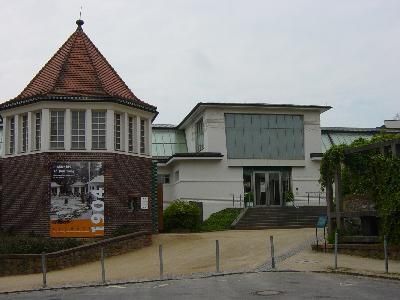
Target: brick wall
13 264
25 195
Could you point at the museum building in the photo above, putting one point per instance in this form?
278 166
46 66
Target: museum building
76 155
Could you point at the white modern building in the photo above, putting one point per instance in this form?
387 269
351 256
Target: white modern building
220 151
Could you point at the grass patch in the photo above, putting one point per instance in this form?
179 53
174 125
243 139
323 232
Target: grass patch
29 244
221 220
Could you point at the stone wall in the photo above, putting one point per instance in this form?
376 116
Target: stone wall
25 195
364 250
13 264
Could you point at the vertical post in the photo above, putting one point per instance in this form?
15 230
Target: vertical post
336 246
217 256
308 198
394 150
103 271
386 254
240 201
338 196
329 204
324 241
319 198
110 130
316 236
233 200
6 136
160 254
44 270
125 130
45 130
271 239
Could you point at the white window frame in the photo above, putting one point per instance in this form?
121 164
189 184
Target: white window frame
24 131
59 137
131 128
78 130
38 130
11 132
143 137
199 135
98 133
117 131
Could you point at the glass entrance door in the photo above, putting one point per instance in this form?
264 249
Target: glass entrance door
260 188
267 188
274 190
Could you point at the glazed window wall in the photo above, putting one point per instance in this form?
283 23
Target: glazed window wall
66 130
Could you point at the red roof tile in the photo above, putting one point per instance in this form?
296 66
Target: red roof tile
78 69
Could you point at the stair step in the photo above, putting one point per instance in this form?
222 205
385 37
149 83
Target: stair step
280 217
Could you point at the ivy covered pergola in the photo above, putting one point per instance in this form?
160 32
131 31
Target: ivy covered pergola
367 169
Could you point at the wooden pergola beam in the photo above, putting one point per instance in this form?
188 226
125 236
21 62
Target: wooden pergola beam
375 146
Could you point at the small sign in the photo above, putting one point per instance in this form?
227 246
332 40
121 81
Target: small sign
322 220
144 202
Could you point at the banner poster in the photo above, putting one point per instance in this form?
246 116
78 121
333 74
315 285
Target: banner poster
77 199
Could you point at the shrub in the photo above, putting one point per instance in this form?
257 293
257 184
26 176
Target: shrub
288 196
248 198
28 244
182 216
221 220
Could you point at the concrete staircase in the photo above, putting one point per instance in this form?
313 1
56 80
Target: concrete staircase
279 217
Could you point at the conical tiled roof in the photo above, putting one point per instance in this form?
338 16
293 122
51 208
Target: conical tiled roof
77 72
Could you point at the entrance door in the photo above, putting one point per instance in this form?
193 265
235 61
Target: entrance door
260 188
267 188
274 191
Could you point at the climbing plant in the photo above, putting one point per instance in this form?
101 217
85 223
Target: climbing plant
368 173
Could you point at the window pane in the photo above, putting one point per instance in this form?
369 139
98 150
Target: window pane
78 130
57 130
98 136
142 136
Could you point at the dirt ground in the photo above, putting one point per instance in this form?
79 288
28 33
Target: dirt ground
240 250
183 254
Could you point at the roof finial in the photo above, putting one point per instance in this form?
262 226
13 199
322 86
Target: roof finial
80 21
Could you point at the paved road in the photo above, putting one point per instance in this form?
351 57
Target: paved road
271 285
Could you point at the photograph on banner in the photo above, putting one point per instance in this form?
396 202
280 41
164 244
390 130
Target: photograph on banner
77 199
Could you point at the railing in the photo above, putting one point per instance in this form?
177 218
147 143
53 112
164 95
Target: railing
167 265
310 199
307 199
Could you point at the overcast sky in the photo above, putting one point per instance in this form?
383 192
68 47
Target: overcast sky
173 54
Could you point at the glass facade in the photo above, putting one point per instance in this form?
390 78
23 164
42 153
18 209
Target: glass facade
264 186
79 129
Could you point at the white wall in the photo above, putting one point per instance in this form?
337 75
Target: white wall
208 181
214 182
305 179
